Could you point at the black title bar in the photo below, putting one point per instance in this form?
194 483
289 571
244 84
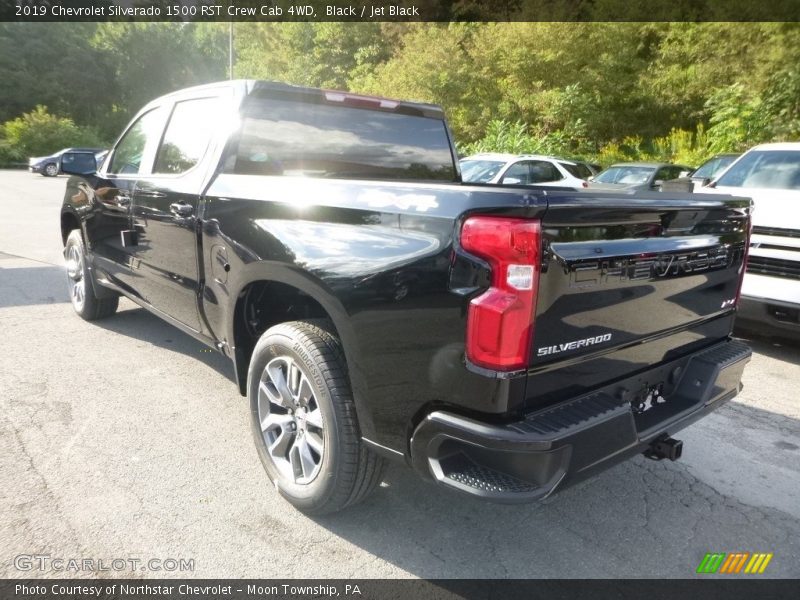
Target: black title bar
378 589
397 10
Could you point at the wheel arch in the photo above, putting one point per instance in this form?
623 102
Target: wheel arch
69 221
276 294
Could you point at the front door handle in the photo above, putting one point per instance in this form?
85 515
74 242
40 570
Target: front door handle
182 209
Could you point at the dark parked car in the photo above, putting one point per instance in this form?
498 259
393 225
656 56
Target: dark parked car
702 176
637 176
50 166
504 340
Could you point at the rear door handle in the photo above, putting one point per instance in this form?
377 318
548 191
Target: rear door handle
181 209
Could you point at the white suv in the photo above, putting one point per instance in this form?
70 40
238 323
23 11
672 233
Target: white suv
770 175
523 169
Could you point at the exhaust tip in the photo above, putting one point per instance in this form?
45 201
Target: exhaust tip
664 447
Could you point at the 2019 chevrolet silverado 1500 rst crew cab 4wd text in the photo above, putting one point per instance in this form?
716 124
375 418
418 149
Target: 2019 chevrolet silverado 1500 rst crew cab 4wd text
505 341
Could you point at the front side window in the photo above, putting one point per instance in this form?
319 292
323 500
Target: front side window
280 137
776 169
518 174
189 132
128 154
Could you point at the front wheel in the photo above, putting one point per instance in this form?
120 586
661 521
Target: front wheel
50 170
81 286
304 419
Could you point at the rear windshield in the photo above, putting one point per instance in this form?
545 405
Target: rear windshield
577 170
280 137
627 175
776 169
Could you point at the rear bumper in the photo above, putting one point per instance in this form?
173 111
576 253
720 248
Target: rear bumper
549 449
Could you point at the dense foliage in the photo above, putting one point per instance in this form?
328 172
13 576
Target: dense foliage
607 91
38 133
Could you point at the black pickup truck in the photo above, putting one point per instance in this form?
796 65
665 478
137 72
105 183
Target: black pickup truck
505 341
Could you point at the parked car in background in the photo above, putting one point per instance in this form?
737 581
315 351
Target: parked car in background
50 166
702 176
638 176
770 174
520 169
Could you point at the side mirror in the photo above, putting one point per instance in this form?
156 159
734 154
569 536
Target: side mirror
658 183
78 163
511 181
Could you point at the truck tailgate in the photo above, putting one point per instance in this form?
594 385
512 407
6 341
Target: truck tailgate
628 280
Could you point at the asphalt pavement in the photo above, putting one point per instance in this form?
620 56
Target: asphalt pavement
126 439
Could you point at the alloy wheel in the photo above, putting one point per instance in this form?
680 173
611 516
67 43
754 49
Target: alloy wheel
291 420
77 283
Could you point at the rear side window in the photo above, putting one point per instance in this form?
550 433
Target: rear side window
577 170
190 129
663 174
281 137
544 172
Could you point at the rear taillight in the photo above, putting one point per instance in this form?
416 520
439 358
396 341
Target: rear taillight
500 321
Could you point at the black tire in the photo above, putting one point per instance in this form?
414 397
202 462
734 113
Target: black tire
81 282
347 469
50 170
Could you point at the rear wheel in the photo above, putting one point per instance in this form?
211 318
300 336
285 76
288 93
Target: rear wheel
50 170
304 419
81 285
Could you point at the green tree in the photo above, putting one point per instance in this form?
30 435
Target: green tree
152 59
324 54
40 133
54 64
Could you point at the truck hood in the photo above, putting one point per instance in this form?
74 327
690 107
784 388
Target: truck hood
772 207
596 185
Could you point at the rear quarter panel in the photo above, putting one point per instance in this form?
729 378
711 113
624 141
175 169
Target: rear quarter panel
377 257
